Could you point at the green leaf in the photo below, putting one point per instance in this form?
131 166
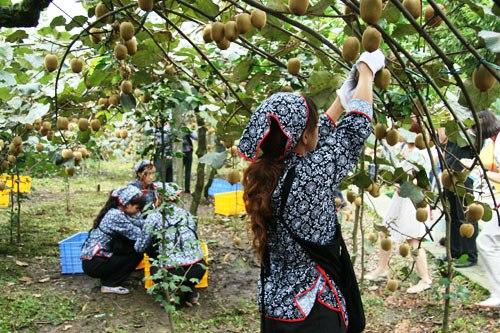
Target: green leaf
77 22
362 180
242 70
5 93
16 36
409 190
84 136
491 39
403 30
37 110
57 21
128 101
480 100
207 7
488 213
320 6
391 13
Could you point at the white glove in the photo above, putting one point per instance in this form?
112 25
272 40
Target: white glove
374 60
346 91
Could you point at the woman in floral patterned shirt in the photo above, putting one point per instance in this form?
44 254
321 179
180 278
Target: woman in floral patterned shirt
283 136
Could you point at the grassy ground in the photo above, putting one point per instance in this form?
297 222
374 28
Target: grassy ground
36 298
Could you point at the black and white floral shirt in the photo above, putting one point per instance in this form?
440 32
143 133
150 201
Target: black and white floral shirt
116 222
295 281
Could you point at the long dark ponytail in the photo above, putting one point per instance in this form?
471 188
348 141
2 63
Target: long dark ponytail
261 177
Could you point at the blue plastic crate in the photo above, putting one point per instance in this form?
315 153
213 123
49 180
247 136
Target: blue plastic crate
69 253
221 186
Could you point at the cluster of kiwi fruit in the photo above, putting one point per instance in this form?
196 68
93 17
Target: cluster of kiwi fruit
76 155
51 63
121 133
14 149
391 136
224 33
474 213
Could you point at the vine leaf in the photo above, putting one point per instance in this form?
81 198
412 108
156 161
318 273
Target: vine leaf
409 190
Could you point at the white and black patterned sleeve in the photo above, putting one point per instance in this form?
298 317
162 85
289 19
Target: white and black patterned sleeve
341 144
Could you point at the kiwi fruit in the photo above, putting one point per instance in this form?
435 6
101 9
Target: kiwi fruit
77 155
120 52
258 18
146 5
420 141
386 244
230 31
114 100
70 171
126 87
447 179
236 241
392 285
123 133
373 237
475 212
422 214
62 123
370 10
371 39
84 151
422 204
103 102
131 46
382 79
380 131
17 141
392 137
223 44
358 201
170 69
217 31
207 34
127 30
83 124
67 154
39 147
483 79
11 159
350 196
76 65
51 62
431 18
95 124
95 35
293 66
47 125
100 10
404 249
466 230
234 177
414 7
244 23
298 7
350 49
375 190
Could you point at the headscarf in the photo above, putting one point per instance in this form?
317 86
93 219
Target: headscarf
291 112
125 194
141 165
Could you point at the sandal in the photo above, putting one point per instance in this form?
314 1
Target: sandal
114 290
375 275
419 287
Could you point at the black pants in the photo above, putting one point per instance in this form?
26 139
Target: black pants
320 320
112 271
195 271
187 162
164 166
461 245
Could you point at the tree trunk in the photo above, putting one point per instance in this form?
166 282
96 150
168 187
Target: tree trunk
200 169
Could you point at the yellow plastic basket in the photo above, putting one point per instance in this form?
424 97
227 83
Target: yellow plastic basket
204 280
229 203
4 198
13 181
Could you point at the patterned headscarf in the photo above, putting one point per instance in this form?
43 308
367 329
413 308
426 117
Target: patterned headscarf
141 165
125 194
288 109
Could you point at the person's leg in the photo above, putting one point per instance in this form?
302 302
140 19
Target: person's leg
383 265
421 268
457 216
169 171
119 268
488 244
187 161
